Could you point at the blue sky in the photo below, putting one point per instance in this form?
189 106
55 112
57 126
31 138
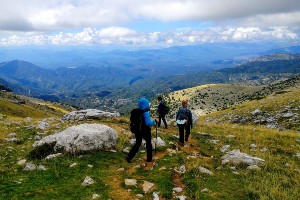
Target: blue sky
147 22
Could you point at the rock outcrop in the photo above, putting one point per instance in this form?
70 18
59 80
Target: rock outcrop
75 139
88 114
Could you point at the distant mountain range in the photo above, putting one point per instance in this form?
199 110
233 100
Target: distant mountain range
118 87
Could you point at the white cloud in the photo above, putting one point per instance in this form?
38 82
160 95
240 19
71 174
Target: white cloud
61 15
125 36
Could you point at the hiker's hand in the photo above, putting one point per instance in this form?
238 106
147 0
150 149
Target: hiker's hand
156 120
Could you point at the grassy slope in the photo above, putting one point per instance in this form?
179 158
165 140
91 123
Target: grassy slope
272 105
276 180
208 98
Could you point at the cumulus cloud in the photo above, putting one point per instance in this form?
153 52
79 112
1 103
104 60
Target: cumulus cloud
125 36
42 15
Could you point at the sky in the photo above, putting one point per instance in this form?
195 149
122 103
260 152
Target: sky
147 22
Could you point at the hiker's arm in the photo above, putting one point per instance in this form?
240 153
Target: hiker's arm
148 120
191 118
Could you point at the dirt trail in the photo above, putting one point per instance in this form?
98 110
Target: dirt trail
191 148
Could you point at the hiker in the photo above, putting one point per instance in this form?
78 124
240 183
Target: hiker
162 111
184 120
143 130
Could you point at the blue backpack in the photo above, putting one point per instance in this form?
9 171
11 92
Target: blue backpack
183 114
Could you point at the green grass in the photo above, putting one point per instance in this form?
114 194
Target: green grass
275 180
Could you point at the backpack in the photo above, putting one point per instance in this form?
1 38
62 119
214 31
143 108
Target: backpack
183 114
165 108
136 120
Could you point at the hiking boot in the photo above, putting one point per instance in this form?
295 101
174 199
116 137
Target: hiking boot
180 144
148 160
128 159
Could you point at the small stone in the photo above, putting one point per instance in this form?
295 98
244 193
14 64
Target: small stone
253 167
147 186
90 166
224 148
42 168
253 145
214 141
205 171
297 155
21 162
236 173
126 150
88 181
230 136
12 135
155 196
95 196
177 189
264 149
139 195
120 170
162 168
181 169
287 165
224 162
53 156
29 167
182 197
112 150
130 182
205 190
73 165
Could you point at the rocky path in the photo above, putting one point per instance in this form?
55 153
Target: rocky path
191 149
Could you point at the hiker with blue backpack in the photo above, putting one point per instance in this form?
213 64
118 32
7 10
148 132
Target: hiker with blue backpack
162 110
184 120
140 125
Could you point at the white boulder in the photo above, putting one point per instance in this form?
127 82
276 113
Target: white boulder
81 138
236 156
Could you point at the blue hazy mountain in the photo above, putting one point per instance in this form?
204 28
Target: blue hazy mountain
173 59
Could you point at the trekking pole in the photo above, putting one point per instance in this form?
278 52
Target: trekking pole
156 139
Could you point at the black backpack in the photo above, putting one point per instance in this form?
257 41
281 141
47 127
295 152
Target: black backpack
136 120
165 108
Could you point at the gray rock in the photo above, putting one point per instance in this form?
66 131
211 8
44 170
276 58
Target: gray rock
205 190
155 196
177 189
256 112
81 138
181 169
288 115
21 162
43 125
13 139
253 167
147 186
12 135
130 182
236 156
182 197
87 181
29 167
51 156
297 155
205 171
96 196
88 114
42 168
224 148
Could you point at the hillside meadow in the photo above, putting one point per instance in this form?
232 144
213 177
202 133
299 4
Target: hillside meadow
60 178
